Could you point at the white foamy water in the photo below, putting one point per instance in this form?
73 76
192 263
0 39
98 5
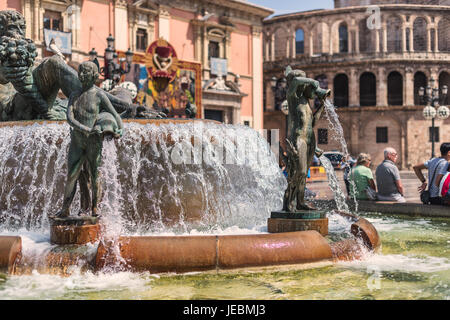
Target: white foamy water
333 182
227 176
399 262
338 135
78 285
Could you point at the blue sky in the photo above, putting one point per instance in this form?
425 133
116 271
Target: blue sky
288 6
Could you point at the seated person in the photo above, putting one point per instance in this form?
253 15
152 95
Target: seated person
437 167
390 186
362 177
443 181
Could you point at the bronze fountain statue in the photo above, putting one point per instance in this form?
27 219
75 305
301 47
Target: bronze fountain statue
91 117
301 141
28 92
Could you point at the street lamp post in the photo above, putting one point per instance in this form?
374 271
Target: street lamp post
113 68
434 108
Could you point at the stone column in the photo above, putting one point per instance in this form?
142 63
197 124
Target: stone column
357 39
272 44
205 52
330 40
227 53
381 88
434 74
27 13
288 43
294 45
311 44
120 23
350 41
257 78
436 40
428 39
411 40
377 40
403 38
164 22
36 17
409 87
354 133
270 103
353 88
267 44
384 37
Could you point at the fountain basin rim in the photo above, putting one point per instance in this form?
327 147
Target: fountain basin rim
24 123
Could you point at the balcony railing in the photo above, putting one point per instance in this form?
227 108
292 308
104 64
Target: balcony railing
361 56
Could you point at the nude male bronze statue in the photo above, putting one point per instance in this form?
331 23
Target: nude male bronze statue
91 117
301 141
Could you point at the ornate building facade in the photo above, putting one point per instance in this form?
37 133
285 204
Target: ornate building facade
374 59
229 31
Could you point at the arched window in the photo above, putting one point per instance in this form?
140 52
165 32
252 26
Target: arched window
444 80
394 34
367 89
343 37
366 37
299 41
420 80
395 89
340 85
444 35
420 34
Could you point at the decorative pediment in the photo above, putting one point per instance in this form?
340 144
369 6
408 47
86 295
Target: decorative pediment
145 5
219 84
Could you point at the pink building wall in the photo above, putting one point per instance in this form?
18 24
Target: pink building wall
182 34
95 26
246 105
11 5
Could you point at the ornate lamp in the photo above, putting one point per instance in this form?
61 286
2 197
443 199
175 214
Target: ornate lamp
129 56
93 54
429 112
110 41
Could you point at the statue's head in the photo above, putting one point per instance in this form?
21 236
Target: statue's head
290 74
88 73
12 24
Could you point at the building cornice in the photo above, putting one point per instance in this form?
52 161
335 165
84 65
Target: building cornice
345 10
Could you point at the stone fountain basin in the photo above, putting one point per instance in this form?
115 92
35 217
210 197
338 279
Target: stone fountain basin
180 254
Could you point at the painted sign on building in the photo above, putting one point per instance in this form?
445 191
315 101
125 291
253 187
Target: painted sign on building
63 40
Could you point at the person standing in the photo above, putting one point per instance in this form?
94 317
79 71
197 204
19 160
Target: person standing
364 186
390 186
437 167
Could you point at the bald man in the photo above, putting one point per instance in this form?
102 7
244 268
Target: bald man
390 186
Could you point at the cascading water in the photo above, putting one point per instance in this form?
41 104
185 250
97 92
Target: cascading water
173 177
336 128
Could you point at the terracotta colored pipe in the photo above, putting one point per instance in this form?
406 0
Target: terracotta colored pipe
366 231
10 252
199 253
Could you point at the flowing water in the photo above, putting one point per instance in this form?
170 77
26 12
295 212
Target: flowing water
338 134
414 263
238 195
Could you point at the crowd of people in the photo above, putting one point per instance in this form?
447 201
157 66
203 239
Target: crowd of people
387 186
